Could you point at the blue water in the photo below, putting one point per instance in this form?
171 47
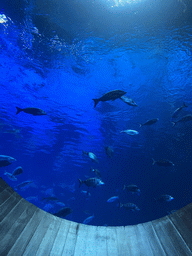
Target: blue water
58 57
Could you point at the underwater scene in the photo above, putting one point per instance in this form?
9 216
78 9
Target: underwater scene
96 107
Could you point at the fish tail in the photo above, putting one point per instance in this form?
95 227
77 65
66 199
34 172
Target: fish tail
18 110
80 183
84 152
96 101
140 125
124 187
119 205
174 123
153 161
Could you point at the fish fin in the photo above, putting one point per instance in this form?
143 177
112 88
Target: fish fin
153 161
80 183
184 105
174 123
96 101
18 110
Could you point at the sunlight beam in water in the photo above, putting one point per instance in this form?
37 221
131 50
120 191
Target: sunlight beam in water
118 3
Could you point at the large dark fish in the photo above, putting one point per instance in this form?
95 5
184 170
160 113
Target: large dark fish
163 162
63 212
17 171
129 206
112 95
23 184
4 163
50 198
176 112
150 122
132 189
91 182
32 111
183 119
109 151
164 198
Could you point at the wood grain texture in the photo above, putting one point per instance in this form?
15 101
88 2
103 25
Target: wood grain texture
26 230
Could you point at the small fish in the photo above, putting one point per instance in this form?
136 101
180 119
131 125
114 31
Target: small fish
130 132
128 101
87 193
91 182
113 199
47 207
132 188
109 151
50 198
150 122
89 219
163 162
91 156
97 172
32 198
165 198
171 212
129 206
23 184
17 171
60 203
176 112
112 95
32 111
183 119
63 212
10 176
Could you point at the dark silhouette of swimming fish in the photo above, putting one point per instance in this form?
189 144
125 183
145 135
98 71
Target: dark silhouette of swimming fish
176 112
150 122
183 119
163 162
32 111
112 95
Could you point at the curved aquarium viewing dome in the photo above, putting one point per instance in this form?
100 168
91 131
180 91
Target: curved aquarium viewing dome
96 109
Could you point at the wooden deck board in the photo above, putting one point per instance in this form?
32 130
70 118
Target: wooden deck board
123 248
5 194
155 244
3 185
38 235
164 237
49 237
90 241
23 240
81 243
111 237
25 230
101 241
70 242
13 224
60 239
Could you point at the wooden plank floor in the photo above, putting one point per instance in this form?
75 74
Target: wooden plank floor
27 230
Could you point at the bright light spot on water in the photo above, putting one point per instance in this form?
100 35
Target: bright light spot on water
3 18
116 3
